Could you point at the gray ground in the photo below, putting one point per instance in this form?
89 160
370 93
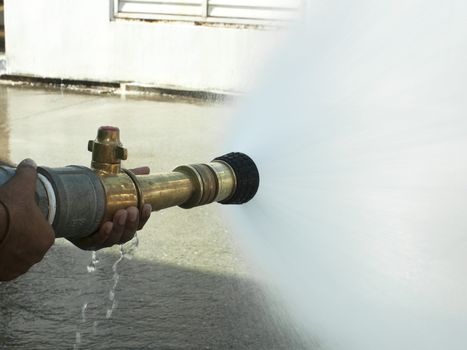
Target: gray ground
184 287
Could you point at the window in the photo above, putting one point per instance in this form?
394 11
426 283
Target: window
247 12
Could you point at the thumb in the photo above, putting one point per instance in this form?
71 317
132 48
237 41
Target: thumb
26 174
141 170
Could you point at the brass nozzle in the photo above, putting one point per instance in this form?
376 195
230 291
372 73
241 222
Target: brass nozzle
230 179
76 200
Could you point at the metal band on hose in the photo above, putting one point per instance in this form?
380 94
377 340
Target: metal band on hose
51 197
139 192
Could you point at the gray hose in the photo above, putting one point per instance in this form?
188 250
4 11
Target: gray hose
71 198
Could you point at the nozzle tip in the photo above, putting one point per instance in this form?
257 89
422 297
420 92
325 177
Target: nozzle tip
247 176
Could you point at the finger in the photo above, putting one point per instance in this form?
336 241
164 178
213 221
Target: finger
119 222
18 270
26 173
145 215
10 275
45 236
141 170
96 241
131 225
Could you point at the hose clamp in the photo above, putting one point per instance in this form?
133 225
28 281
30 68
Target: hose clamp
139 192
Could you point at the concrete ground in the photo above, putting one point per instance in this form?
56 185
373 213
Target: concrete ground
183 286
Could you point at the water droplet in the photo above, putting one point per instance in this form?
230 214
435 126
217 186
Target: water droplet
77 341
94 261
83 312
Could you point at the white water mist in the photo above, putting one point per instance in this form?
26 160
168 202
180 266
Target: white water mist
360 135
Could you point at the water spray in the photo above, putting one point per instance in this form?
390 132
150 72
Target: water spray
76 200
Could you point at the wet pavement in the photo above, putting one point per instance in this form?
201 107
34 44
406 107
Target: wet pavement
182 285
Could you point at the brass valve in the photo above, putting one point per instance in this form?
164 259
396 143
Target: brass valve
107 151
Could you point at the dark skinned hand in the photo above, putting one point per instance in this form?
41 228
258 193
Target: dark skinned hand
123 227
25 235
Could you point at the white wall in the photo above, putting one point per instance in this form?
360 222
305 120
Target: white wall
75 39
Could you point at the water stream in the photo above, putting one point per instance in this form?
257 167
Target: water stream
126 251
360 135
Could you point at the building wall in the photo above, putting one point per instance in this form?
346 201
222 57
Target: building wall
72 39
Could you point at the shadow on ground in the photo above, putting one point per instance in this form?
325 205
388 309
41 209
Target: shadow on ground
158 307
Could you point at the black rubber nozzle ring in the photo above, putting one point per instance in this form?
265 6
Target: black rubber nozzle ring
247 176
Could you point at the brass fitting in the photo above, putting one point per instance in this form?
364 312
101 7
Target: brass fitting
187 186
107 151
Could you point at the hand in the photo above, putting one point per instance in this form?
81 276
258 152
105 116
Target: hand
123 227
25 235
